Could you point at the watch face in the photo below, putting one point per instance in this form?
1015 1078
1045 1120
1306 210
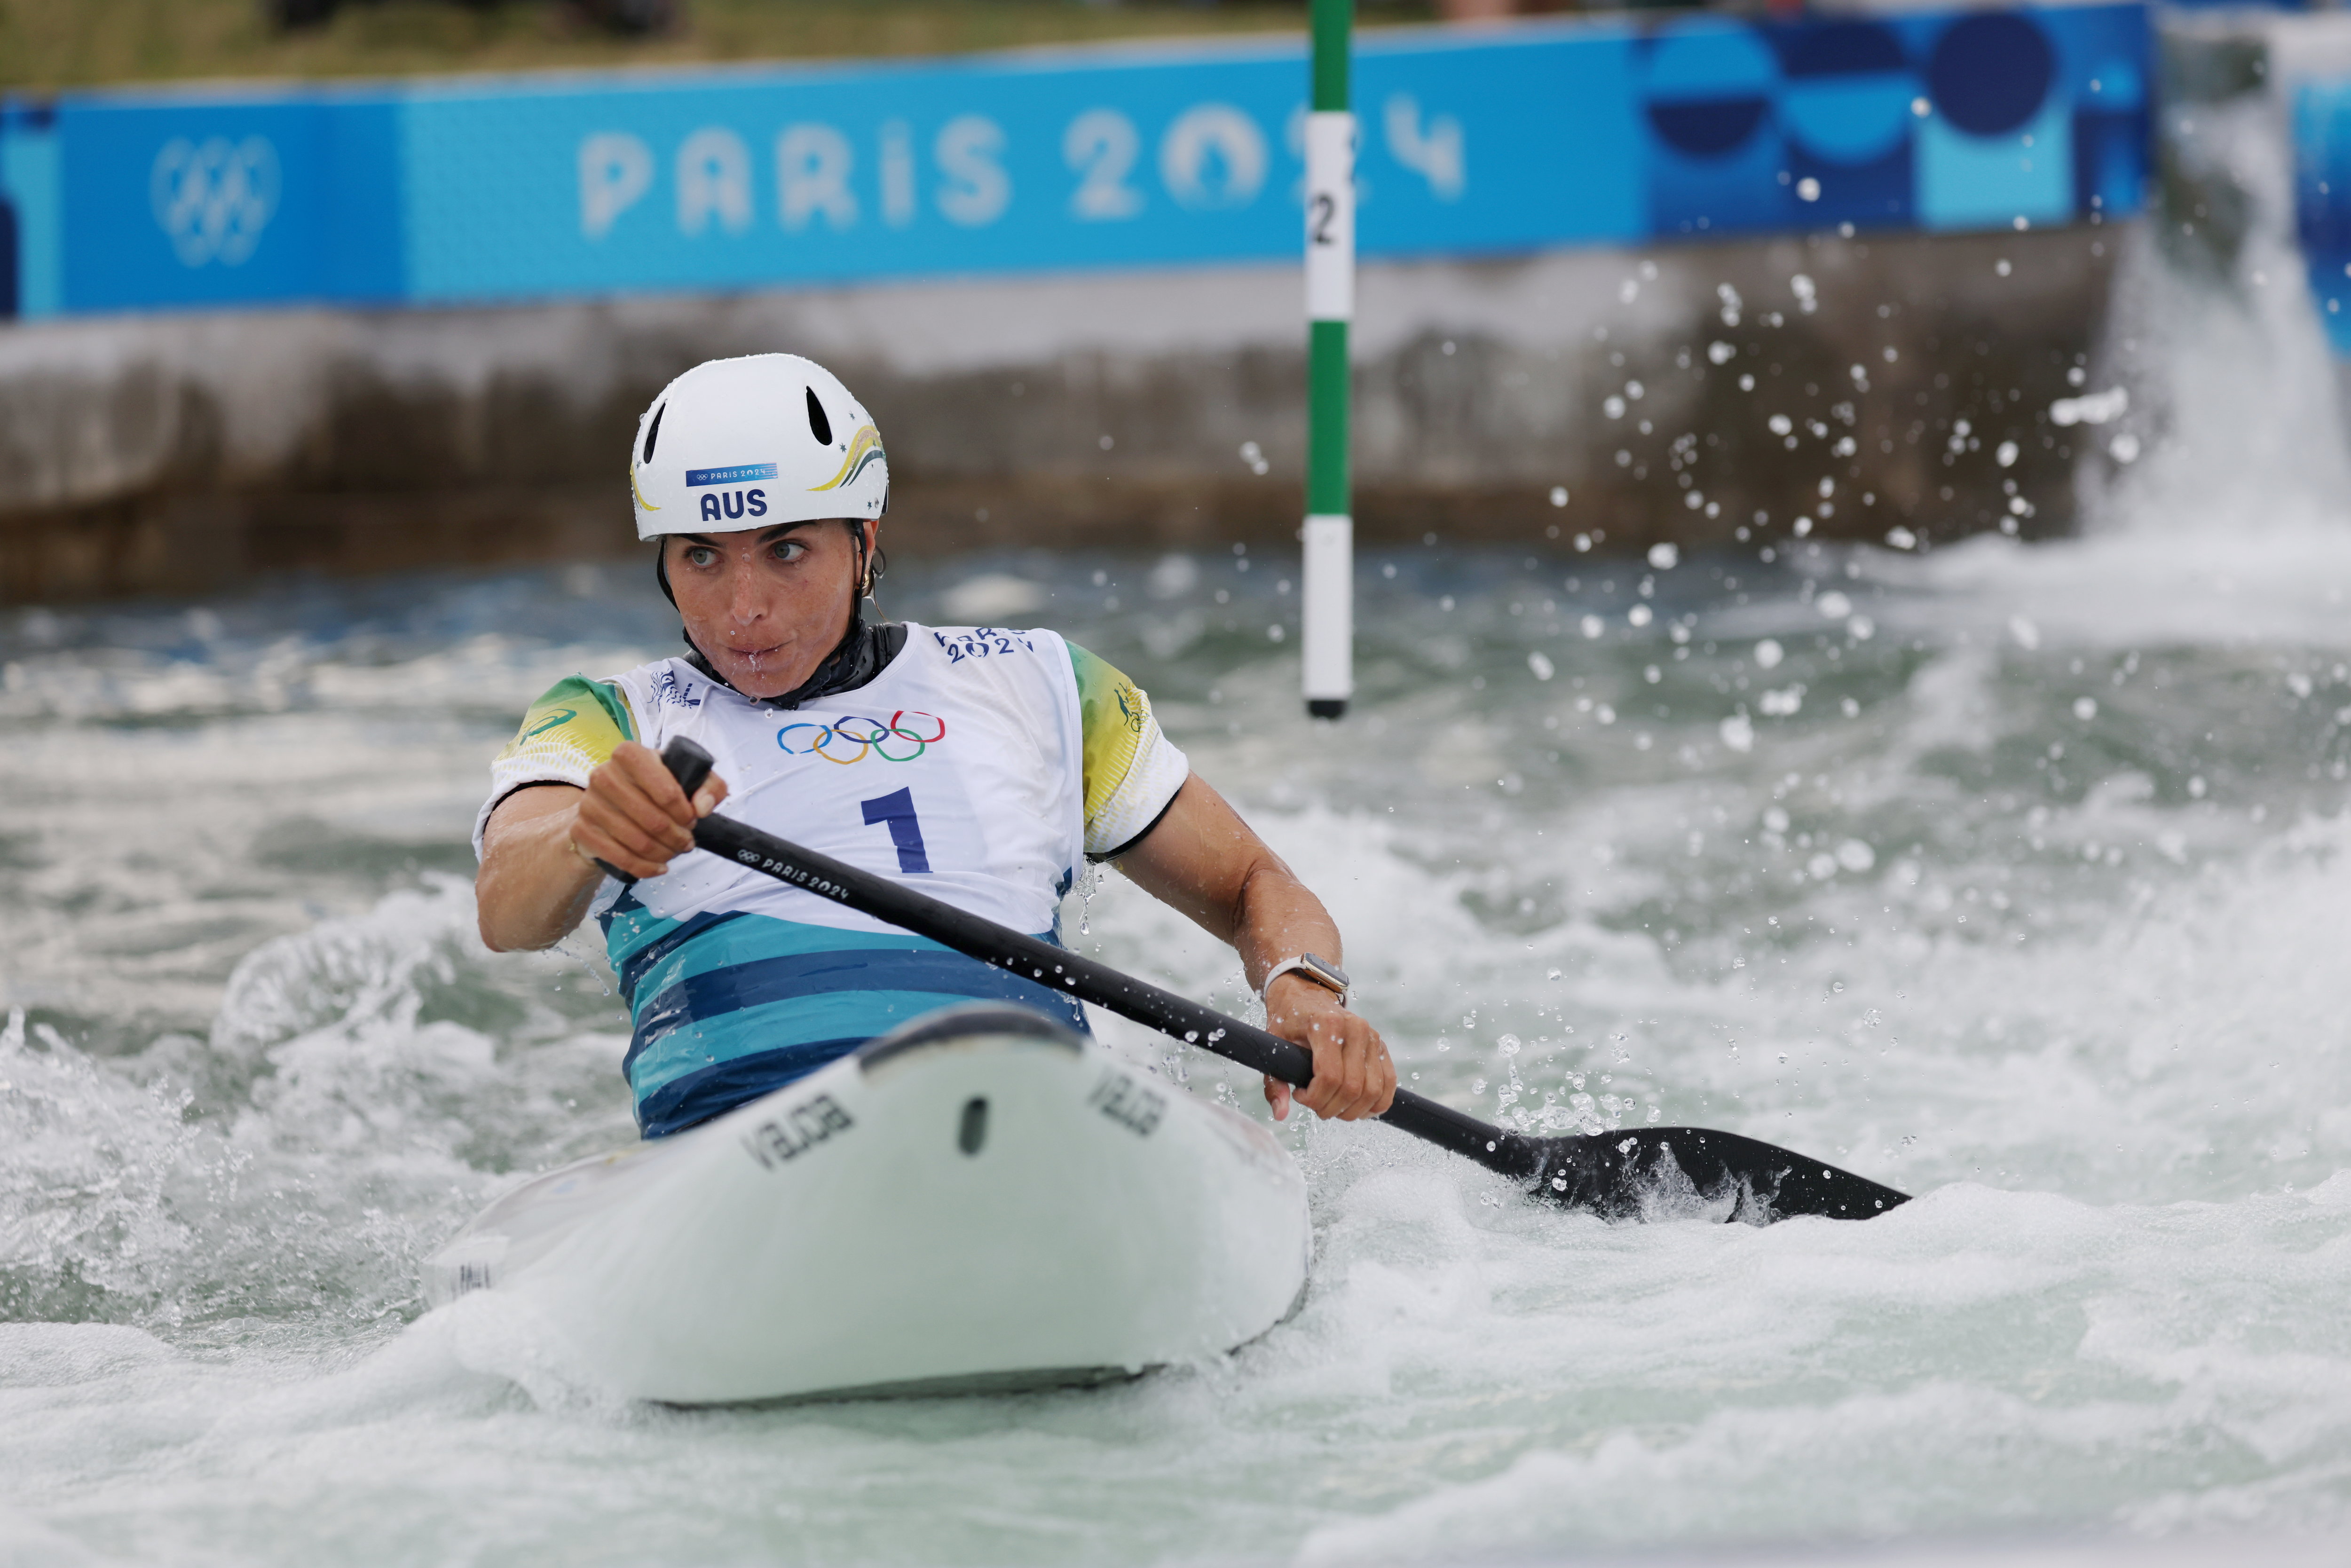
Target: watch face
1323 966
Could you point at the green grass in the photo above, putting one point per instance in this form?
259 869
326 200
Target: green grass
50 44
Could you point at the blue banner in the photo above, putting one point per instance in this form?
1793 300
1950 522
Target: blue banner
2322 193
1471 144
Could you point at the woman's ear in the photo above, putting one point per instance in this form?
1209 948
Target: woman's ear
876 563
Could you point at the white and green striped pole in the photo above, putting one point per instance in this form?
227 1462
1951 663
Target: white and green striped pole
1328 579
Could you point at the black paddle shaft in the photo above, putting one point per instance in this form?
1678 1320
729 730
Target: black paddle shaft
1617 1174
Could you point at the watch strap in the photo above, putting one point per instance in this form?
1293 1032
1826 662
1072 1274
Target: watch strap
1314 967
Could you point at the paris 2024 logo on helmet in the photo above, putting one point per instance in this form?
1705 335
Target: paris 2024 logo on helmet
749 443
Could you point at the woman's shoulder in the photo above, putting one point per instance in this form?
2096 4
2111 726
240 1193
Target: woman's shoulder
666 686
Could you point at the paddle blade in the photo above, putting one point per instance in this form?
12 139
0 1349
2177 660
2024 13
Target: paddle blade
1664 1172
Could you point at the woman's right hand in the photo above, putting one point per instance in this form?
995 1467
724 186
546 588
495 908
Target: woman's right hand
634 817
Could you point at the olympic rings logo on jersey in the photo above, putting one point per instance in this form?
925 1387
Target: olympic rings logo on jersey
870 738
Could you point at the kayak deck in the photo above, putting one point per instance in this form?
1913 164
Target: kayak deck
981 1200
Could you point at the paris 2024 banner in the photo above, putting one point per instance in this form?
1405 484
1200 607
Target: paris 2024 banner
473 189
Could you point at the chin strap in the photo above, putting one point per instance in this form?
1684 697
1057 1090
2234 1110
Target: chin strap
864 651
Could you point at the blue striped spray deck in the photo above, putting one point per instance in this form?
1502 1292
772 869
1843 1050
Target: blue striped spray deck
728 1005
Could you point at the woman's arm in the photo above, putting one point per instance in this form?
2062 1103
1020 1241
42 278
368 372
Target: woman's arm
540 847
1203 860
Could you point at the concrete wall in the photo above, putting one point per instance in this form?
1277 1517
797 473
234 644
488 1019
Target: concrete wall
180 455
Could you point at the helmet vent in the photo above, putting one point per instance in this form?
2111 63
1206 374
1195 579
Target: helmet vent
652 431
819 427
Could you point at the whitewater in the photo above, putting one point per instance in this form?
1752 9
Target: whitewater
2013 874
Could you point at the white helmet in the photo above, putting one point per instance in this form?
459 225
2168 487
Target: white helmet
745 444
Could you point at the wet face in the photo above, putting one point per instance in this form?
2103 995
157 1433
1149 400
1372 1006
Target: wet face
765 606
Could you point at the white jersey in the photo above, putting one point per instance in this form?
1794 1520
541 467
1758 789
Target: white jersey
978 768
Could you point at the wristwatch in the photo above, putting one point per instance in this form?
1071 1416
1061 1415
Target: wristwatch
1320 970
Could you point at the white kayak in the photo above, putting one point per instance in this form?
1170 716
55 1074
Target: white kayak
979 1201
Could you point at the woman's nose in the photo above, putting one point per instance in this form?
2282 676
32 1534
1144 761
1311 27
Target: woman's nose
746 605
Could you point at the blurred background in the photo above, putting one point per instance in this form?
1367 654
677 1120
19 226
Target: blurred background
1853 524
375 316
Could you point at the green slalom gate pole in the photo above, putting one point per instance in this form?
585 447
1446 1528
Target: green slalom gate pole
1327 595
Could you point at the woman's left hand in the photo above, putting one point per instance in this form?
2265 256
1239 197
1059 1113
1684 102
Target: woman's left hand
1353 1076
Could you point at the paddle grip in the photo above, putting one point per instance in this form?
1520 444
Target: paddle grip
687 763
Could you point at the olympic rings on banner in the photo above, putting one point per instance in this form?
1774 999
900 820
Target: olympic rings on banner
870 738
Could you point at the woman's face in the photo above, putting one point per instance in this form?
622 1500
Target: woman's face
766 605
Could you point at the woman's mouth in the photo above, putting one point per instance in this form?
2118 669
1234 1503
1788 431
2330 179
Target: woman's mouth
752 656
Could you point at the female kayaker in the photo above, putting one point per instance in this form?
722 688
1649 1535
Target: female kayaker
975 763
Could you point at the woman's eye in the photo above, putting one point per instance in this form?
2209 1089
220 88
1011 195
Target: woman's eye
789 549
700 556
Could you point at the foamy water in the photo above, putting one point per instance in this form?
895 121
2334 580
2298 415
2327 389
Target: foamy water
2012 875
2026 907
